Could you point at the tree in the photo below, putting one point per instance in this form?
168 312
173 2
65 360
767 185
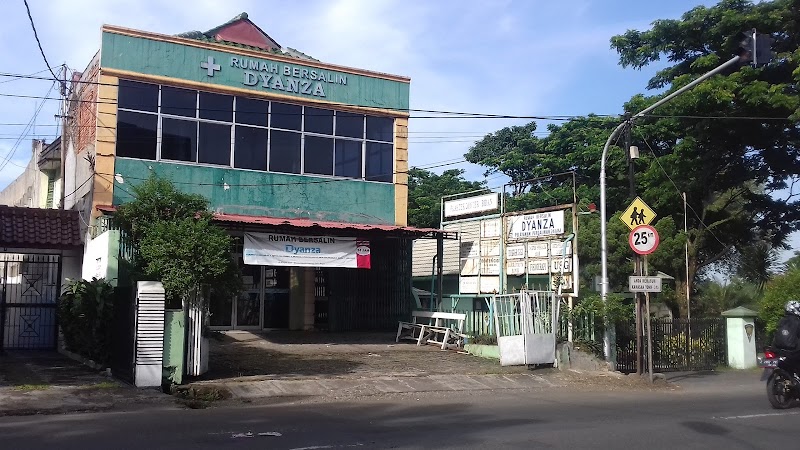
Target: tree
793 263
777 292
715 297
709 142
175 242
425 192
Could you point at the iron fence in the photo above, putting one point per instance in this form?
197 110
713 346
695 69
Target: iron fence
678 345
29 290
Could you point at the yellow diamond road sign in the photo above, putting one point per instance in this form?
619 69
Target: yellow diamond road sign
638 213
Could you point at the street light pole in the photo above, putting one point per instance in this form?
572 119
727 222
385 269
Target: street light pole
608 337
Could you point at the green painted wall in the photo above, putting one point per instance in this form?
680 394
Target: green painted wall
152 57
112 270
267 194
174 339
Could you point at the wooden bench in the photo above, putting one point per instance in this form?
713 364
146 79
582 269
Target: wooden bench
430 327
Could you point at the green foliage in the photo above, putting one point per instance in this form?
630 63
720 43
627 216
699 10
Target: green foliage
175 242
714 297
776 293
426 189
85 314
617 308
674 350
792 263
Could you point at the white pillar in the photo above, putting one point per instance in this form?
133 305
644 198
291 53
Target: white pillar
741 336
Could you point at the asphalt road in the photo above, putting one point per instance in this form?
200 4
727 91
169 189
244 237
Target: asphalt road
706 413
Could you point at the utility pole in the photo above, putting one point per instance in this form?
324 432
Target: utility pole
608 337
637 260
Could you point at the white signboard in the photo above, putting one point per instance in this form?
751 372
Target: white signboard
490 266
468 285
469 249
531 226
273 249
490 285
538 266
557 263
469 266
490 228
537 249
516 267
516 251
490 248
557 248
644 284
471 205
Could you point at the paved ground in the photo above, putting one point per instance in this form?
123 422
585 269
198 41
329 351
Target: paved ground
39 382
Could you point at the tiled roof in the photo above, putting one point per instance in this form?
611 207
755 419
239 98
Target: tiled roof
39 228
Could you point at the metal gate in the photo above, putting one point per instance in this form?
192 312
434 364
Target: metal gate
31 284
526 327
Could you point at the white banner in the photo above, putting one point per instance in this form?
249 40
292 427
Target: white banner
516 251
468 285
537 249
516 267
273 249
471 205
469 266
490 228
490 285
490 265
528 226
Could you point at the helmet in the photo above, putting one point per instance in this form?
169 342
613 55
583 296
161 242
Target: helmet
793 307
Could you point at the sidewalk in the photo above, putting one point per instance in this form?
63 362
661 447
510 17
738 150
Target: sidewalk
44 382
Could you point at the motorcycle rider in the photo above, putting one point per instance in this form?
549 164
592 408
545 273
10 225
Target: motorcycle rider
787 336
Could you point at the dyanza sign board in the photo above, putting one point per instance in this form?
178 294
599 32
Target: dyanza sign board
537 225
182 59
273 249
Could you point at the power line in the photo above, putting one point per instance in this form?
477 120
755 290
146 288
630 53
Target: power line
39 43
25 132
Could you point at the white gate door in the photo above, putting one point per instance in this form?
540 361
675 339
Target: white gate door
526 325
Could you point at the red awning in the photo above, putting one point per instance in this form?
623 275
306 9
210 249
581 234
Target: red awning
320 225
324 225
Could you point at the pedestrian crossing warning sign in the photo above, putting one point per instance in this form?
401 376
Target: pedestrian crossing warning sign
638 213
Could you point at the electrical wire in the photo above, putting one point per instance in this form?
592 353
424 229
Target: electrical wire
39 43
25 132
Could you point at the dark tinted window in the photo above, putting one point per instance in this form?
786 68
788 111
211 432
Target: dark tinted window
318 155
139 96
252 112
379 162
318 121
180 102
179 140
288 117
380 129
348 159
250 150
284 152
216 107
136 135
349 125
214 145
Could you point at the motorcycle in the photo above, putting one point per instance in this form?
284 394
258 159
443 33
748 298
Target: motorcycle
783 382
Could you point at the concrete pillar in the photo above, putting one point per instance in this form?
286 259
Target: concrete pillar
297 297
308 311
741 336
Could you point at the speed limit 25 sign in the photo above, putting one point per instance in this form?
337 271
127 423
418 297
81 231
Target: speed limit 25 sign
643 239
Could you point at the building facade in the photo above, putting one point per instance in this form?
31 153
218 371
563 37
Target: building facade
286 148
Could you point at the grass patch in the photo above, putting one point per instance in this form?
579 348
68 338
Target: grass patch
31 387
103 385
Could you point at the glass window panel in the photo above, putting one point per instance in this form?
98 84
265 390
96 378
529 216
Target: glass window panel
349 125
318 155
380 129
380 162
348 159
179 102
284 152
214 145
178 140
216 107
139 96
318 121
136 135
251 111
250 149
285 116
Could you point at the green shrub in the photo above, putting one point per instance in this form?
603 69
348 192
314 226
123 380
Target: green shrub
781 289
85 313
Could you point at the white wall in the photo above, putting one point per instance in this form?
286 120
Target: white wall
95 258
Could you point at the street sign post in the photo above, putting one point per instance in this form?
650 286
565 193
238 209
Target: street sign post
643 239
644 284
637 213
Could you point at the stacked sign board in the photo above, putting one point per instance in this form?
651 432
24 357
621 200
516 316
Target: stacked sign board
480 258
535 246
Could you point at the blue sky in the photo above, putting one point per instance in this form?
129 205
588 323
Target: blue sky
508 57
